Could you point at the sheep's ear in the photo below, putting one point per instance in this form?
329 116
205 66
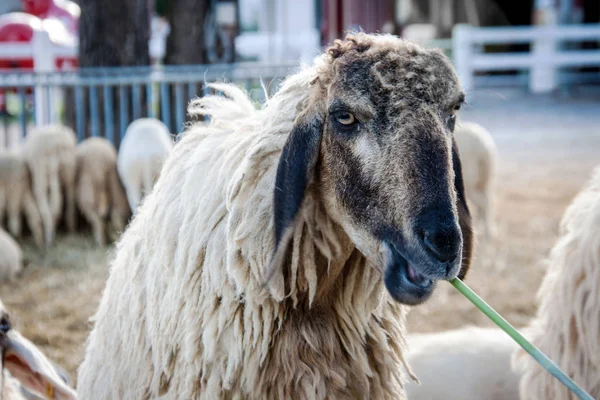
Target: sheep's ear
295 173
464 215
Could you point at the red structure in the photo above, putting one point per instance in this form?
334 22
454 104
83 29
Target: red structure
65 11
19 28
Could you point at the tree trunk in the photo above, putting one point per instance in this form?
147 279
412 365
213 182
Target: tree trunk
185 44
111 34
114 33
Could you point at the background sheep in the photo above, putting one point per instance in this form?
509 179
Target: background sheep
567 325
478 155
100 194
16 197
566 328
184 313
11 257
50 155
23 363
465 364
144 148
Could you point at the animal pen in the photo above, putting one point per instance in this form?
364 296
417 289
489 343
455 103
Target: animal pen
103 101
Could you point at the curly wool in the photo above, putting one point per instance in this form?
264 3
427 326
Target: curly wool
567 324
184 313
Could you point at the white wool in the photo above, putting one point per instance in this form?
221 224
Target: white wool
50 154
183 314
11 257
16 196
478 155
567 325
470 363
10 387
142 152
100 195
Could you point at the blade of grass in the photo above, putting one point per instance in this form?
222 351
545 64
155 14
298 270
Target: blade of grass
540 357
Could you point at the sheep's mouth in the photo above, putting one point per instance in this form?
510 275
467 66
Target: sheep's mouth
404 282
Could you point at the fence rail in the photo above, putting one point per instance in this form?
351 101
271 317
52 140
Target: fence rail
103 101
547 55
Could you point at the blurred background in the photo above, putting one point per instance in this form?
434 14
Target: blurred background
531 70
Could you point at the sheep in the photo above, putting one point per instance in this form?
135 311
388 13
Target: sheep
463 364
23 365
566 328
270 259
16 197
99 192
143 150
50 154
11 257
567 325
478 155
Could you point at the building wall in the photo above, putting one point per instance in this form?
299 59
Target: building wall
340 16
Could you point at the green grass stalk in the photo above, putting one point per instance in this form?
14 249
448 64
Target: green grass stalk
540 357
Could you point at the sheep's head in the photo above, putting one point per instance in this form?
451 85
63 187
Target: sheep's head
374 139
28 365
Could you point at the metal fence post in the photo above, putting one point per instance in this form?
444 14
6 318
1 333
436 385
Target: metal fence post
94 120
108 113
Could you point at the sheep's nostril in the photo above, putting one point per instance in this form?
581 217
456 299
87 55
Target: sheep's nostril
444 244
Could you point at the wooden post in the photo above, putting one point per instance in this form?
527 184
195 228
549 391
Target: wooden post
462 49
542 79
43 63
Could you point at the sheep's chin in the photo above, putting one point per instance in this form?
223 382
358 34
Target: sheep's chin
404 282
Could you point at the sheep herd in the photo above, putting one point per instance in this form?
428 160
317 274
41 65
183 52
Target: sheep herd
277 251
49 179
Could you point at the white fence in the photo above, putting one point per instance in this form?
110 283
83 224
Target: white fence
543 61
44 52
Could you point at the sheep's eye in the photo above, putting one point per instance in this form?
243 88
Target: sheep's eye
456 107
345 118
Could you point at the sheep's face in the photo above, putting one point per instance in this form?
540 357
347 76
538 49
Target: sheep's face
377 136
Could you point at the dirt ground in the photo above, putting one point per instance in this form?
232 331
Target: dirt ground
547 148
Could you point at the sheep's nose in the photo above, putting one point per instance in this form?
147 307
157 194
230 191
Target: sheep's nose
440 235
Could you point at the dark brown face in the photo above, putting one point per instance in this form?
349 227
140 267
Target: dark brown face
380 142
